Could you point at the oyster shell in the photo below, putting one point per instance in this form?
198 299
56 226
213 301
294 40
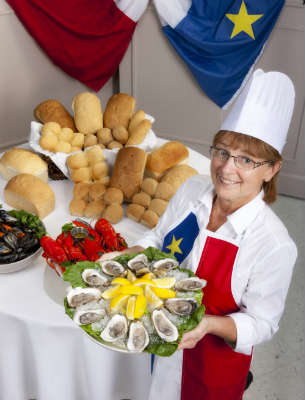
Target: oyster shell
113 268
139 264
138 337
181 306
115 329
84 317
164 327
78 296
193 283
160 267
94 278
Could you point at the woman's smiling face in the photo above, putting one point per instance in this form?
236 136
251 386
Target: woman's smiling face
236 185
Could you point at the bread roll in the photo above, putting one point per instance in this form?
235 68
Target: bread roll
164 191
99 170
135 211
149 186
77 207
90 140
113 196
141 198
62 147
88 114
165 157
29 193
77 160
94 209
104 136
94 154
81 174
48 141
54 111
81 191
178 175
113 213
128 171
149 219
78 139
48 127
96 191
66 134
120 134
114 145
136 119
17 161
158 206
138 134
119 110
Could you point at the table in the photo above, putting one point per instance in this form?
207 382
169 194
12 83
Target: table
43 354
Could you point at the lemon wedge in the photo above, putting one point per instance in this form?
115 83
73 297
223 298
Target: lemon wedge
165 283
120 281
130 289
140 306
152 298
131 276
163 293
111 292
118 302
130 309
143 281
149 275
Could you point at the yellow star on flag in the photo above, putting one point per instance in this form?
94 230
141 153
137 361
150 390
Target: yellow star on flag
243 21
174 246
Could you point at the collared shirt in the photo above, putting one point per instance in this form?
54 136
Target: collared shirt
263 267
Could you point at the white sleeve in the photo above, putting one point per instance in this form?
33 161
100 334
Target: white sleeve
263 301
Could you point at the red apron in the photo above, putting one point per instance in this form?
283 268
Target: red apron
212 370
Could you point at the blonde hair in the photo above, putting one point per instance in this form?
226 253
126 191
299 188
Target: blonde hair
257 148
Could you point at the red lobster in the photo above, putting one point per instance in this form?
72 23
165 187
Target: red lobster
111 240
53 253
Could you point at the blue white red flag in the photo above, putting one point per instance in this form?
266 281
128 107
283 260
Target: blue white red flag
219 40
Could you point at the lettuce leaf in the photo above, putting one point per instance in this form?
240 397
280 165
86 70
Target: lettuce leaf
73 272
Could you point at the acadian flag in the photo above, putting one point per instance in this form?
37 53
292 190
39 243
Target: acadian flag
86 38
219 40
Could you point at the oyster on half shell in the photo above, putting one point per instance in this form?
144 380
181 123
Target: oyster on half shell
138 337
181 306
139 264
193 283
164 265
164 327
84 317
115 329
79 295
113 268
93 278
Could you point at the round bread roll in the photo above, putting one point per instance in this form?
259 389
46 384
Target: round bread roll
88 116
77 207
149 186
137 117
113 196
94 154
158 206
113 213
75 148
90 140
96 191
120 134
48 141
94 209
81 191
78 139
104 136
135 211
114 145
164 191
141 198
105 180
62 147
77 160
53 127
66 135
149 219
99 170
81 174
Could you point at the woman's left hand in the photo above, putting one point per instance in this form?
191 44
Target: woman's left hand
190 339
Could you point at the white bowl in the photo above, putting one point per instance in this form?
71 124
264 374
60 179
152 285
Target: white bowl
18 265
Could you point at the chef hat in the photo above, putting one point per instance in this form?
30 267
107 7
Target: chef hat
264 108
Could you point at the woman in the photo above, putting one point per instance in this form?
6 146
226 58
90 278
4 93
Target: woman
225 231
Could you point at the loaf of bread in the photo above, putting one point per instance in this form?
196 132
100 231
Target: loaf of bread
88 115
54 111
138 134
128 171
178 174
119 110
29 193
165 157
17 161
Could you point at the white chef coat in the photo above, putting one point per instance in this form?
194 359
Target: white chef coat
263 267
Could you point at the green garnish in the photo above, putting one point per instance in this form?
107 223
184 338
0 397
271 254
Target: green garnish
29 220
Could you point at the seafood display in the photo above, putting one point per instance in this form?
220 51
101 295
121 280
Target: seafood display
135 303
19 235
79 241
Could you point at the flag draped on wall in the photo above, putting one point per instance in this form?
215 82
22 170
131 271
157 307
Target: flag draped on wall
86 39
219 40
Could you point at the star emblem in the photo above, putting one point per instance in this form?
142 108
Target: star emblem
243 21
174 246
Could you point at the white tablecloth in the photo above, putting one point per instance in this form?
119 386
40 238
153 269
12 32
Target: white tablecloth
43 354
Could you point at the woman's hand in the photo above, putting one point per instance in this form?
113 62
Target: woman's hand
190 339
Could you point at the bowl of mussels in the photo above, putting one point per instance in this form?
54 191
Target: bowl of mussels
20 234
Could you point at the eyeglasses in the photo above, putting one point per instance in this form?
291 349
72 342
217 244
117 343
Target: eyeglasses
241 162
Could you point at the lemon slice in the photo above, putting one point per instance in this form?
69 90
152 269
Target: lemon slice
144 281
120 281
140 306
163 293
152 298
131 276
149 275
131 289
165 283
111 292
130 309
118 302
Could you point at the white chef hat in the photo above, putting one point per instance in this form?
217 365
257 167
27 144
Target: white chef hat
264 108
